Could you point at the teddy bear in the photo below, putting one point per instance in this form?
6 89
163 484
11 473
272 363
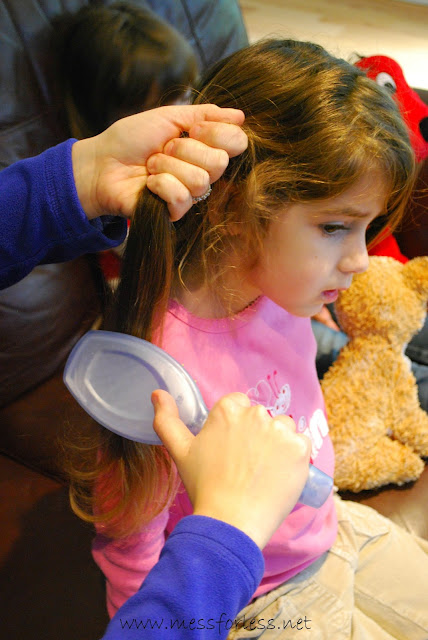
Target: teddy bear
378 429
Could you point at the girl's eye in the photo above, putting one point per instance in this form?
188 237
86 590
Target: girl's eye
331 229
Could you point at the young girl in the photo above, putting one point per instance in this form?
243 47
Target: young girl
229 291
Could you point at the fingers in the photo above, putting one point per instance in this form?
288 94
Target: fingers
188 166
167 424
212 160
187 115
175 193
196 179
284 422
325 317
185 174
289 429
219 135
238 398
209 147
301 443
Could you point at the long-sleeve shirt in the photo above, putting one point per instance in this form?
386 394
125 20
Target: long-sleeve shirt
42 220
270 355
206 573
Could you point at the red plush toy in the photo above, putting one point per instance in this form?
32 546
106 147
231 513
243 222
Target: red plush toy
388 73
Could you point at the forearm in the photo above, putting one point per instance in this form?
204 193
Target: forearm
42 219
207 572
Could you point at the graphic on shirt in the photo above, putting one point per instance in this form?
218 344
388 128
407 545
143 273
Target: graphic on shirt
267 392
277 400
316 431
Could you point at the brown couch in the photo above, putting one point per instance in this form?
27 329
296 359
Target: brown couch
50 586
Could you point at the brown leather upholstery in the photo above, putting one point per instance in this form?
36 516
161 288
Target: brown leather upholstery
41 317
51 589
33 426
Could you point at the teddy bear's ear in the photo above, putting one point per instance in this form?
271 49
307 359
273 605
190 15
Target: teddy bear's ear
416 274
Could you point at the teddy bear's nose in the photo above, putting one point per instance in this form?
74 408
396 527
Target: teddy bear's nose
423 126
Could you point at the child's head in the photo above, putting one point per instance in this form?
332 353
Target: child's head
118 60
317 127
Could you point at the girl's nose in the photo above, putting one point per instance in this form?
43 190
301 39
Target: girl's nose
355 259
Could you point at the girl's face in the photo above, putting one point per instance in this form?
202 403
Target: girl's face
312 250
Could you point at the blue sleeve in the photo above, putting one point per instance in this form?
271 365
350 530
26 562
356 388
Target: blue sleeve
41 219
207 572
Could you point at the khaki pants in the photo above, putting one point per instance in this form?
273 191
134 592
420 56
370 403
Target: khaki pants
371 585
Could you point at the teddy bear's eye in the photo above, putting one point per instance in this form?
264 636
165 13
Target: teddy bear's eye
385 80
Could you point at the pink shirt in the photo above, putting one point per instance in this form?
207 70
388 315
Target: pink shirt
270 355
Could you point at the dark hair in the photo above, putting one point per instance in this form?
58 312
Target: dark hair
117 60
316 125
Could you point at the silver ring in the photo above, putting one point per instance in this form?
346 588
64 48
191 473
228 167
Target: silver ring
204 197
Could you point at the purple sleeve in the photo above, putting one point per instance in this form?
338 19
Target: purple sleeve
207 572
41 218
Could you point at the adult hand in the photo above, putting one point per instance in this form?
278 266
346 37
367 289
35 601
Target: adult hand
325 317
146 149
244 467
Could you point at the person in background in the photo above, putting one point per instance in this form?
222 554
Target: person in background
113 61
117 60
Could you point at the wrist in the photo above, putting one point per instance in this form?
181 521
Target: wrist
253 528
84 163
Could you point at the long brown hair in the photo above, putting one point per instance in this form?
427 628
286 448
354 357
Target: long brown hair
316 124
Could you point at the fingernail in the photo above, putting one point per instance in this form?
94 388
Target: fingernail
168 148
196 130
155 400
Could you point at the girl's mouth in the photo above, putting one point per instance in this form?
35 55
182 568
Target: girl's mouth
330 295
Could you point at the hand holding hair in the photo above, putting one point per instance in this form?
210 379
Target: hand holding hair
244 467
111 168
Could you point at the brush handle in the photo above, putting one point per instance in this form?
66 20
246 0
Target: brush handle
317 488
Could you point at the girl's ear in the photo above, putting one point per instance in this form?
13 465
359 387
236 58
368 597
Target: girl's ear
224 208
234 229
